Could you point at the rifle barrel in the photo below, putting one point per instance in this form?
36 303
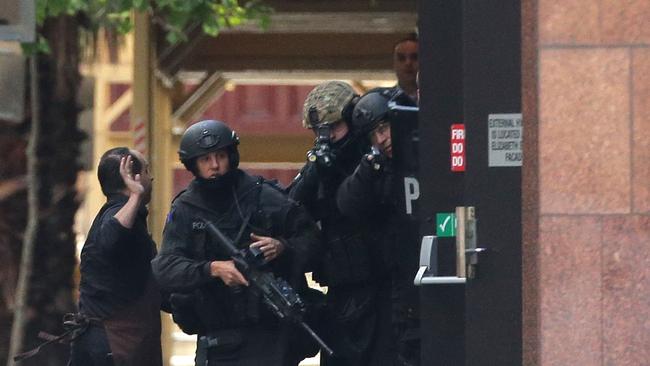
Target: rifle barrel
221 237
318 339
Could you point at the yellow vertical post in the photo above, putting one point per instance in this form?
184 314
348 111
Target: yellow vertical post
160 144
95 198
152 104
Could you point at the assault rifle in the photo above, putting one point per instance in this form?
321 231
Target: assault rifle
322 151
278 295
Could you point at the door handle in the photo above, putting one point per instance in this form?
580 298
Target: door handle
466 252
466 249
475 251
437 280
428 270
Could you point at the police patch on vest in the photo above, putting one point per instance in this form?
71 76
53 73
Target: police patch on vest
198 225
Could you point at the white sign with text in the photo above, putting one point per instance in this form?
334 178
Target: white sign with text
505 140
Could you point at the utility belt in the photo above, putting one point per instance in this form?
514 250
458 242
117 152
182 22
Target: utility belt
201 311
74 325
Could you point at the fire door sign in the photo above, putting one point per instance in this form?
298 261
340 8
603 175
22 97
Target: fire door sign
458 147
504 140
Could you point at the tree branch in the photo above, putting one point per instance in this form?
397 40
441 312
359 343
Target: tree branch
29 240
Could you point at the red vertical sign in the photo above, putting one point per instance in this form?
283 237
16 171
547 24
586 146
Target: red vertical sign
457 147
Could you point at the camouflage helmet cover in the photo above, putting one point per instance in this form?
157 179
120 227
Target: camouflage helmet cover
330 100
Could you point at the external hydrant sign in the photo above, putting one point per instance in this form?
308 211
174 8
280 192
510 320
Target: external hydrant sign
458 148
504 140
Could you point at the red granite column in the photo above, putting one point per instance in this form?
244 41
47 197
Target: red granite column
586 182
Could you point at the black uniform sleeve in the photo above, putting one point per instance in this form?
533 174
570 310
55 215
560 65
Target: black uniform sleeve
295 228
111 233
304 188
303 238
357 197
315 189
175 267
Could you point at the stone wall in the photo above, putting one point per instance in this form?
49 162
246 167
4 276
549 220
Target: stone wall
586 182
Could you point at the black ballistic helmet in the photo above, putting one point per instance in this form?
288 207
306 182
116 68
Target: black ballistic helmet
371 110
207 136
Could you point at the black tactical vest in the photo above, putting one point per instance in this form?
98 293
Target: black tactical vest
237 214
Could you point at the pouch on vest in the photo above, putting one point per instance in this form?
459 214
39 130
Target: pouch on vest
184 313
220 345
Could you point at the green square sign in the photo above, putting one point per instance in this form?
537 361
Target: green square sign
445 224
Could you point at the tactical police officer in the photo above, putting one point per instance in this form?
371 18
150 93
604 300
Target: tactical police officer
368 198
358 298
211 296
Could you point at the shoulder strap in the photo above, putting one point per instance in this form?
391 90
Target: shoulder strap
258 200
243 226
246 216
179 194
273 183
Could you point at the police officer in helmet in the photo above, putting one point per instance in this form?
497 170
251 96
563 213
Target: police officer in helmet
357 324
211 296
327 111
368 197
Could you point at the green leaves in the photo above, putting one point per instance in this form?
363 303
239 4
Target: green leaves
40 46
140 4
174 16
212 15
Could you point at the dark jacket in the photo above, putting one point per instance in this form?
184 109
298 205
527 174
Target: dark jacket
117 286
115 261
369 197
348 257
357 322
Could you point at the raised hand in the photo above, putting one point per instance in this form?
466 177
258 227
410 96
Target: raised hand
132 182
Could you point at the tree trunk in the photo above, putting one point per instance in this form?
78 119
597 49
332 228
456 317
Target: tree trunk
13 215
51 286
